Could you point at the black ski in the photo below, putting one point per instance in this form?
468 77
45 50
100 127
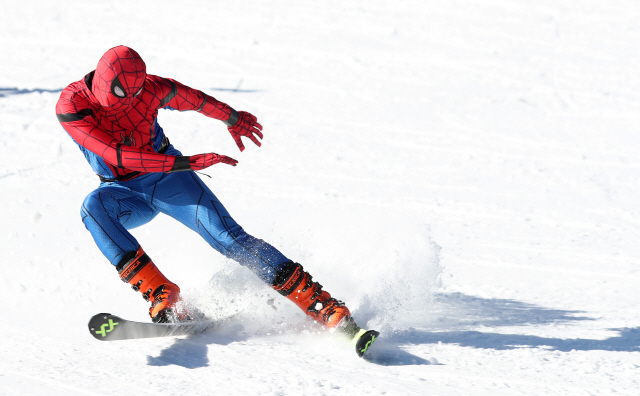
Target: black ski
360 338
107 327
364 342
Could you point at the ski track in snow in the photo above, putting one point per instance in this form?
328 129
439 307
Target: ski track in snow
463 174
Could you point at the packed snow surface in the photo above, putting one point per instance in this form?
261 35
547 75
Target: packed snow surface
464 174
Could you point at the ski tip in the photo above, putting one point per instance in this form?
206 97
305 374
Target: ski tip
365 341
101 324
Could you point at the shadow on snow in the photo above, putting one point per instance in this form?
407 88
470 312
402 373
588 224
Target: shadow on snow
191 352
454 314
15 91
628 340
235 90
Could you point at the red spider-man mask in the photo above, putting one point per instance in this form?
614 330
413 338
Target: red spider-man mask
119 78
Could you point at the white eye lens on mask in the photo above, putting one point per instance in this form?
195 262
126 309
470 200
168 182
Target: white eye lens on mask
117 89
138 93
119 92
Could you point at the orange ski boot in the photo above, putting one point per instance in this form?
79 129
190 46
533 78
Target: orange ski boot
141 273
295 284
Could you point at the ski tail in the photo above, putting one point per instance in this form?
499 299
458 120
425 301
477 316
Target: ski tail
107 327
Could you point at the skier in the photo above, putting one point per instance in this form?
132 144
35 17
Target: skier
111 114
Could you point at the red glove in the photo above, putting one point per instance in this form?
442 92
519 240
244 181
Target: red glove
247 125
200 161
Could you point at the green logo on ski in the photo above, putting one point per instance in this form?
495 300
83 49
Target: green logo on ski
103 329
368 344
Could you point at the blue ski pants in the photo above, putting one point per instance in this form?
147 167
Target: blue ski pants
110 211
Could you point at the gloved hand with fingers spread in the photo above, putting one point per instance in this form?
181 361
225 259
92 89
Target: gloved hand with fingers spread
244 124
200 161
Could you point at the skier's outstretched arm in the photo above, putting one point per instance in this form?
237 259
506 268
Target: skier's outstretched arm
84 131
240 124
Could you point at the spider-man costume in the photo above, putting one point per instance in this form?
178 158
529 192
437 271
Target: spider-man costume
112 115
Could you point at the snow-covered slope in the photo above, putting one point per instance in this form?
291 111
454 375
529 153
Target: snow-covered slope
464 174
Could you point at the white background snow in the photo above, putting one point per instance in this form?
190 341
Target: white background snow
464 174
